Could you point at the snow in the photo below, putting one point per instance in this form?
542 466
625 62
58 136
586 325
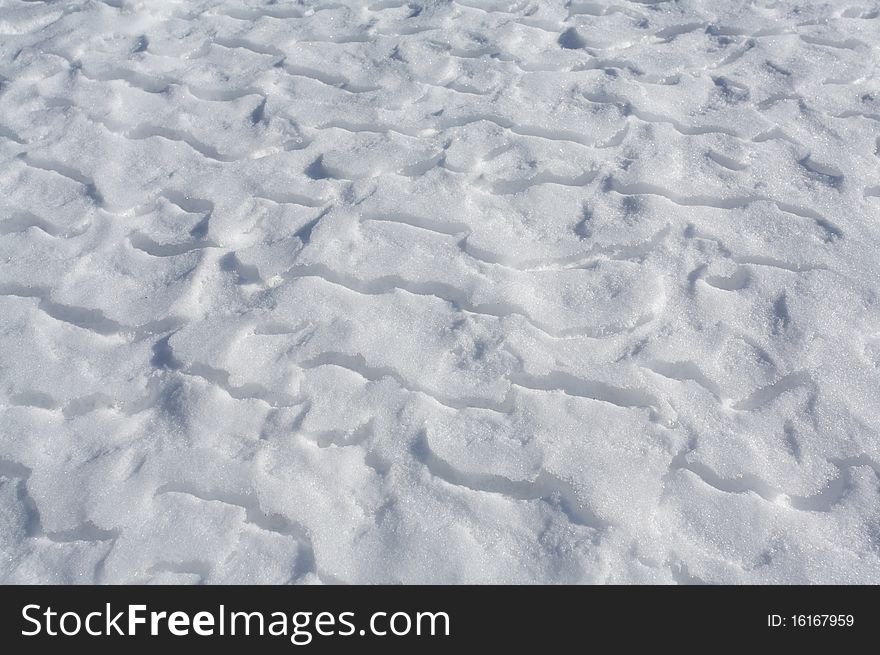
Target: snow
439 291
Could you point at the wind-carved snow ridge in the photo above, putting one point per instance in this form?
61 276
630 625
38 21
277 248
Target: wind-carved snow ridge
477 291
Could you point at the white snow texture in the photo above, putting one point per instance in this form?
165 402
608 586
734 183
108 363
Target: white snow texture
456 291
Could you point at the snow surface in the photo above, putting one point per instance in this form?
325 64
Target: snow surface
439 291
